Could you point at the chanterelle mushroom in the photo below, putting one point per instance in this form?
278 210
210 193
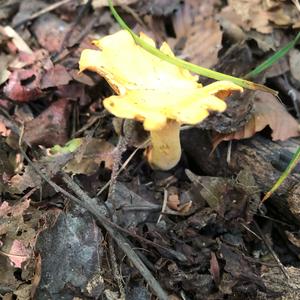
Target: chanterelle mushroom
153 91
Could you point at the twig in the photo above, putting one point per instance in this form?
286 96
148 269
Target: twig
42 12
77 20
123 166
121 147
280 265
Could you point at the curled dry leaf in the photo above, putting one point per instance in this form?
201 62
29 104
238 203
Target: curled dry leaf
268 111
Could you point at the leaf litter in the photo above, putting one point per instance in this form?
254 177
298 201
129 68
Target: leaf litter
196 231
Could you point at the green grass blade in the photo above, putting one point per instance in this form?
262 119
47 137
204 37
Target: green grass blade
284 175
274 58
186 65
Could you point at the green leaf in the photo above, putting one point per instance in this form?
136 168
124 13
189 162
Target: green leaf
186 65
69 147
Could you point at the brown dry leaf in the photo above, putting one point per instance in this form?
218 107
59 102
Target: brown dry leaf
89 156
198 34
175 204
261 14
51 126
17 236
50 32
56 76
248 14
23 85
49 165
268 111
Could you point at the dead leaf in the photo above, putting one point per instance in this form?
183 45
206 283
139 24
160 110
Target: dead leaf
157 7
17 236
174 203
50 32
294 60
8 9
74 91
90 154
82 78
56 76
198 35
251 14
51 126
48 165
268 111
23 85
4 131
16 38
260 14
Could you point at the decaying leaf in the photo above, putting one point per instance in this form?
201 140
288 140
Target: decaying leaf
23 85
89 155
48 165
268 111
260 14
229 198
51 126
17 236
194 24
56 76
50 31
294 60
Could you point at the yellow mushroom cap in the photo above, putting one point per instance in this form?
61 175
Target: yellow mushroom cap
150 89
153 91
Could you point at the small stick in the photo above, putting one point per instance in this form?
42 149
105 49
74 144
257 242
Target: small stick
88 204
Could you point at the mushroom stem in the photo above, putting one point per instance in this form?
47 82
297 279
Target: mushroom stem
165 150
